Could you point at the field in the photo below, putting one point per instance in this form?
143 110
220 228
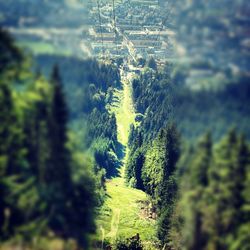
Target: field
38 48
124 212
122 106
122 215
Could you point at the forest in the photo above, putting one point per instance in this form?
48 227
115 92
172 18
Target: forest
188 152
49 177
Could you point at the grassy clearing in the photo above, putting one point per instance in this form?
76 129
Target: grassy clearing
121 216
124 111
38 48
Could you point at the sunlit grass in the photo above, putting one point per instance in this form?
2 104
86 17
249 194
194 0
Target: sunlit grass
124 111
38 47
121 217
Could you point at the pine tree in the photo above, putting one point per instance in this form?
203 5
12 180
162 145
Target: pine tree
201 162
133 169
195 194
12 161
168 186
226 179
152 64
10 55
241 197
57 175
6 108
136 159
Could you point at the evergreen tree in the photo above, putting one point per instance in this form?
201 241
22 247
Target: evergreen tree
160 163
11 56
152 64
133 169
201 162
6 108
12 161
242 197
57 175
168 187
222 185
39 193
136 159
195 194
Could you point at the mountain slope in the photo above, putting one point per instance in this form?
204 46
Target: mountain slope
126 210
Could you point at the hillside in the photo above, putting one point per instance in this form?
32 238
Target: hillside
124 125
126 210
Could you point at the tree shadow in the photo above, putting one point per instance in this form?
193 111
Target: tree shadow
120 151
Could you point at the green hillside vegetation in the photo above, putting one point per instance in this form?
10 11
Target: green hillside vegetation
40 48
198 188
41 178
122 215
90 160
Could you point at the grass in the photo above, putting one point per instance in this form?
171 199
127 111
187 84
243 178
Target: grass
124 111
39 47
121 216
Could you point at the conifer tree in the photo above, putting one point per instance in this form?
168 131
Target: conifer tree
168 187
57 175
201 162
136 159
6 108
227 176
12 161
225 162
195 194
242 198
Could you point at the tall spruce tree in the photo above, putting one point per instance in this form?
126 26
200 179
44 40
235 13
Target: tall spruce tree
58 174
195 194
223 215
136 159
222 187
6 108
240 239
168 187
12 161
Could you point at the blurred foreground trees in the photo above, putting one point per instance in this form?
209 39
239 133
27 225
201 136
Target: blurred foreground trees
46 189
212 209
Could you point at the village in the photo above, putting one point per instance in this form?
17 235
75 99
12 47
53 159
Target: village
132 29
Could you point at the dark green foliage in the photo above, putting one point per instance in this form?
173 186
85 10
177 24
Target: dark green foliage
152 97
40 193
162 98
210 211
105 158
201 162
152 169
88 86
136 159
10 54
152 64
168 187
11 157
195 111
160 162
204 204
133 243
133 169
